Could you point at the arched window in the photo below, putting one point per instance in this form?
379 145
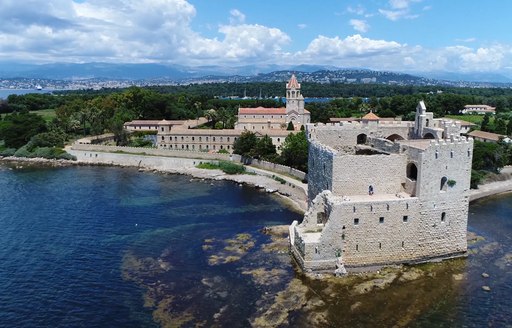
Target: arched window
412 171
361 139
395 137
443 183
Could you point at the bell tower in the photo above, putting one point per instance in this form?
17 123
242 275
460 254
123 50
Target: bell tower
294 101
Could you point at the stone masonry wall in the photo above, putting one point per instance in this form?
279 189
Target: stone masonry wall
354 173
320 165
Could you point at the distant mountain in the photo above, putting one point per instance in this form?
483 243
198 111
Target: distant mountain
158 73
468 77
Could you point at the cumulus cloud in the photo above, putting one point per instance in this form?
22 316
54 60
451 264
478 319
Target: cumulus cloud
359 25
352 46
127 30
161 31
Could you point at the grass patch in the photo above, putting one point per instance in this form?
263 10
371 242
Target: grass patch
224 166
476 119
47 114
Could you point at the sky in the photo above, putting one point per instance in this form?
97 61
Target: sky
398 35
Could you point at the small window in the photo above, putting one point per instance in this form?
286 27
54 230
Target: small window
443 216
381 219
405 218
380 245
357 247
403 244
356 221
162 129
451 154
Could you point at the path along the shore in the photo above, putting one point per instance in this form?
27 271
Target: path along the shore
292 189
492 188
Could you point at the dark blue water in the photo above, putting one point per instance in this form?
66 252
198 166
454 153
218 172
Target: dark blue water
111 247
68 239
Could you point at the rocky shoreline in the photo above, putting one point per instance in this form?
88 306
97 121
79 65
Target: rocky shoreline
293 194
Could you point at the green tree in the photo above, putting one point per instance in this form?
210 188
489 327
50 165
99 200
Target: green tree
500 126
509 127
485 123
295 151
265 149
18 128
489 156
245 144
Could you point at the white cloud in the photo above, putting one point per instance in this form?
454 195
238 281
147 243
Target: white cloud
359 25
129 31
399 9
161 31
236 17
467 40
359 10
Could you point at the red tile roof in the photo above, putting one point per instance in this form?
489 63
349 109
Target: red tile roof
262 111
370 117
293 83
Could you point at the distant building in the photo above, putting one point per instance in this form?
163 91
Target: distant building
184 135
488 136
478 109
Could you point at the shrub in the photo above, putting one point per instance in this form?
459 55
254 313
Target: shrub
7 151
225 166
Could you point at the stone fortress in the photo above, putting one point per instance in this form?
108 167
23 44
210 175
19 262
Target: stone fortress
384 192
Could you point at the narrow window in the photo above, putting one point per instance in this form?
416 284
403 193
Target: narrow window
406 206
381 219
380 245
357 247
443 216
356 221
451 154
443 183
387 206
354 208
403 244
405 218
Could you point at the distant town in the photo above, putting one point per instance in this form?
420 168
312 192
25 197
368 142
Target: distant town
345 76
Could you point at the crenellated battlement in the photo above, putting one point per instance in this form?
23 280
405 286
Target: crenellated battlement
383 192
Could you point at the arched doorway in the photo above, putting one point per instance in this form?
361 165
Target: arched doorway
412 171
428 136
361 139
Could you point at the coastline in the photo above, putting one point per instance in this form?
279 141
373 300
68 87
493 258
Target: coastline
293 193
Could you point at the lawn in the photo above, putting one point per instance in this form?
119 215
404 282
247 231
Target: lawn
477 119
47 114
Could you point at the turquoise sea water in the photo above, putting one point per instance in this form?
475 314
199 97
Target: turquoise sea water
112 247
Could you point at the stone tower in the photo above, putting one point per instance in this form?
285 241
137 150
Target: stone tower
294 102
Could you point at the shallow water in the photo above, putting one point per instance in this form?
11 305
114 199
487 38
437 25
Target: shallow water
98 247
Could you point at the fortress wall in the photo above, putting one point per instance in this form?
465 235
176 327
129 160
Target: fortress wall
320 168
150 162
345 134
446 158
354 173
371 241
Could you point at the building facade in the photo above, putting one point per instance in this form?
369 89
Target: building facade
261 121
384 192
478 109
